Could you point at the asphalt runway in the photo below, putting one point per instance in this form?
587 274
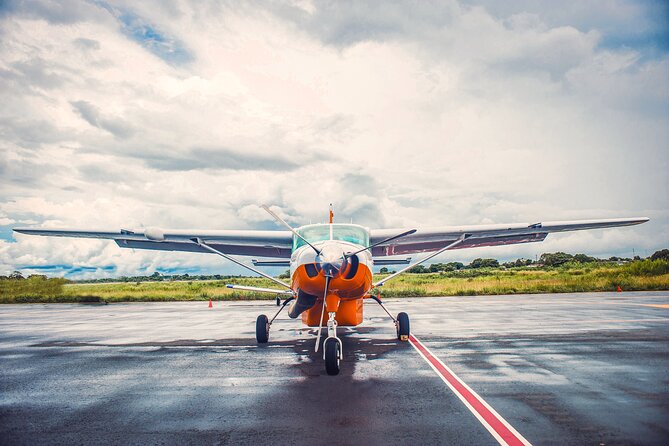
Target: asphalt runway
587 368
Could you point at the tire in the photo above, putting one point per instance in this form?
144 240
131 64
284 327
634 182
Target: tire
331 347
262 329
403 327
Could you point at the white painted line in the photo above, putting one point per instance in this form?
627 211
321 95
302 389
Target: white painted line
503 432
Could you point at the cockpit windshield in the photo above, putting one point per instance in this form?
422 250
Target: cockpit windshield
317 233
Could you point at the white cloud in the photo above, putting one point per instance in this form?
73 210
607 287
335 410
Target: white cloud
425 114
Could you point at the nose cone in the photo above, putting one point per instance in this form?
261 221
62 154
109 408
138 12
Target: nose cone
331 259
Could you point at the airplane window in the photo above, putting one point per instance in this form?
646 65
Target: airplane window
317 233
313 233
353 234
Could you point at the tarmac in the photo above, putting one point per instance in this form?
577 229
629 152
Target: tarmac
589 368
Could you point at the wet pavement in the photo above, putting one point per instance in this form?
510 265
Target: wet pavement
588 368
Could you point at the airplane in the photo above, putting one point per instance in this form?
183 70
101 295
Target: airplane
331 263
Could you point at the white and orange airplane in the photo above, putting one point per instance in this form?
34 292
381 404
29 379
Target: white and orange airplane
331 263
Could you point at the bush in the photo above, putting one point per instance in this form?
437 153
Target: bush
32 287
647 268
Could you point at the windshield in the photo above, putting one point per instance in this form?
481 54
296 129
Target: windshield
317 233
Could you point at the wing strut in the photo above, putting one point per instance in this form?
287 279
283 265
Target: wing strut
462 238
199 242
404 234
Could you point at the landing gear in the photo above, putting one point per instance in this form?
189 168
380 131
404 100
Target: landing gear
332 354
332 347
262 329
263 324
402 326
401 322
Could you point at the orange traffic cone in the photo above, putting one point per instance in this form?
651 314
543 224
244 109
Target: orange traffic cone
619 289
210 304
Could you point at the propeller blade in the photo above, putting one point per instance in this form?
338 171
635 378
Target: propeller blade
381 242
320 323
283 222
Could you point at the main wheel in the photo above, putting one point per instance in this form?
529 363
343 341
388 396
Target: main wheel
403 329
331 347
262 329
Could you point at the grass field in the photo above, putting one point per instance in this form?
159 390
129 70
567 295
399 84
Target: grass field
635 276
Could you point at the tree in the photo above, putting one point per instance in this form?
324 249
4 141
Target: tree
453 266
555 258
16 275
484 263
419 269
436 267
383 270
285 275
582 258
660 255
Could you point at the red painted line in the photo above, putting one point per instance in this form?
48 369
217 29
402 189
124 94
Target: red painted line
503 432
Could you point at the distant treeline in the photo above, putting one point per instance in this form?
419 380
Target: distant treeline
158 277
549 260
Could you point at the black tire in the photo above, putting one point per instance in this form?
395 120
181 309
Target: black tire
331 347
262 329
403 327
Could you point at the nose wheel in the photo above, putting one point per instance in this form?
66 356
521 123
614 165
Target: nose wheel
332 354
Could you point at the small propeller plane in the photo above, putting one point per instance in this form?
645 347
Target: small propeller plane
331 264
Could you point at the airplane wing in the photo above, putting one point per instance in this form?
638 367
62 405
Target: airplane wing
276 244
426 240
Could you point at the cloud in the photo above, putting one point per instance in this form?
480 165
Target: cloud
92 115
86 44
416 114
220 158
64 12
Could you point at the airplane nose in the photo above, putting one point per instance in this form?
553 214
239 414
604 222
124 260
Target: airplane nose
331 260
331 269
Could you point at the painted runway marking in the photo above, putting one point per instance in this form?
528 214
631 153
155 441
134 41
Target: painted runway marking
503 432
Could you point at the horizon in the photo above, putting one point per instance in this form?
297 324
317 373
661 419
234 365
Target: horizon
123 114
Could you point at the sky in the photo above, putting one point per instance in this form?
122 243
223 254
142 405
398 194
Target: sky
182 115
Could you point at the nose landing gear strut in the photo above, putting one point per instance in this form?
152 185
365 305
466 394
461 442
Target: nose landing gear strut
332 347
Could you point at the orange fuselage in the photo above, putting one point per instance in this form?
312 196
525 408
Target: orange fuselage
344 295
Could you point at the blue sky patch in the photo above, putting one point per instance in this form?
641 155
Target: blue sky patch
160 44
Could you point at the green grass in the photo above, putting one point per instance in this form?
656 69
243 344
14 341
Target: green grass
635 276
